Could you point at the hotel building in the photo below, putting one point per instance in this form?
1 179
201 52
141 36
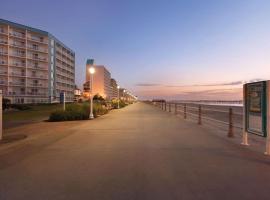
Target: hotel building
101 80
114 92
34 65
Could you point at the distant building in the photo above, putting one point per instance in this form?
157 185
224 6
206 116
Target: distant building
34 65
77 94
114 89
101 80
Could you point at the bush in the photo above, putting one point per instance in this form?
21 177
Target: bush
6 103
77 112
21 106
115 104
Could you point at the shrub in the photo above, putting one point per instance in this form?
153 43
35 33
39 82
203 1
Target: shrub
115 104
77 112
21 106
6 103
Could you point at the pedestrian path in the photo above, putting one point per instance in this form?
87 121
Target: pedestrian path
138 152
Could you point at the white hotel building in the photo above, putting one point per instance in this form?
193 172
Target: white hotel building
34 65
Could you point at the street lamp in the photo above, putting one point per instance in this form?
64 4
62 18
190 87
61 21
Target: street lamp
91 71
118 87
124 95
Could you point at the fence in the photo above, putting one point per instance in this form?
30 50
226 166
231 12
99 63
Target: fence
229 116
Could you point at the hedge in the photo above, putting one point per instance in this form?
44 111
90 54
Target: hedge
77 112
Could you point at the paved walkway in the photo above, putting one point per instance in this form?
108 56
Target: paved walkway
138 152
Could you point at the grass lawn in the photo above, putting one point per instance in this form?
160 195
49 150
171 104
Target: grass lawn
35 113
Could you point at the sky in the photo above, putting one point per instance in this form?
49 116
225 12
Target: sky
172 49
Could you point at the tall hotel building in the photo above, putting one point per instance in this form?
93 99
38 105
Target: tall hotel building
34 66
101 80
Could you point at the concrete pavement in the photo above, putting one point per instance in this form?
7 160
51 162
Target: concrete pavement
138 152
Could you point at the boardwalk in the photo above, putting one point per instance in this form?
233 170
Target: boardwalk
138 152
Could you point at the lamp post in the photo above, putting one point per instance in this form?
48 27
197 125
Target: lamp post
118 88
91 71
124 95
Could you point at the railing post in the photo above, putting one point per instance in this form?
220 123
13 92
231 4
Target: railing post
230 131
200 115
175 108
165 106
185 111
169 107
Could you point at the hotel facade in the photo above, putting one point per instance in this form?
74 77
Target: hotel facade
101 80
35 67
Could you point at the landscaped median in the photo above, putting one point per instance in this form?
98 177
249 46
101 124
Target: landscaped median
80 111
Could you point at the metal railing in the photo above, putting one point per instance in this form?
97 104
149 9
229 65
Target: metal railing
229 116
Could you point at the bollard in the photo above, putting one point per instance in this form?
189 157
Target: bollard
185 111
200 115
230 131
175 109
169 107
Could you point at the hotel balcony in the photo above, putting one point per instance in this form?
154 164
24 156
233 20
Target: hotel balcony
3 53
19 55
2 82
3 73
37 67
3 42
42 59
17 74
37 93
38 49
3 62
17 83
17 34
37 76
41 85
17 64
3 31
17 45
38 40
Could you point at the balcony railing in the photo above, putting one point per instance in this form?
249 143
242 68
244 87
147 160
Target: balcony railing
18 45
3 42
16 34
3 31
37 40
3 82
37 49
36 93
16 93
2 62
18 55
38 58
17 74
3 53
37 67
3 72
36 76
18 64
36 85
17 83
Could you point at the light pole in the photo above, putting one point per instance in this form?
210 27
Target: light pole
118 88
91 71
124 95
